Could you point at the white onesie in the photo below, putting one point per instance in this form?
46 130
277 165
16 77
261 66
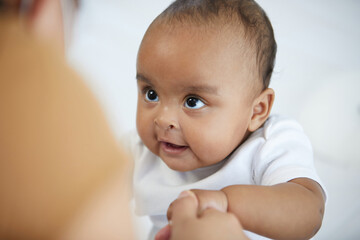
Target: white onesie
277 152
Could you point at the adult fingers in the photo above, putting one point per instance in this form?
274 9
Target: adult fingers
212 213
184 207
164 233
211 199
223 221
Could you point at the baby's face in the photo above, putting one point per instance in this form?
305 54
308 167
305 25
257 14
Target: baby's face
195 94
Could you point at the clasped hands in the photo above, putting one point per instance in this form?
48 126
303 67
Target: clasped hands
201 215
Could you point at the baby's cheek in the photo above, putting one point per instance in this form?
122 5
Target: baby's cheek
143 123
146 135
222 144
208 147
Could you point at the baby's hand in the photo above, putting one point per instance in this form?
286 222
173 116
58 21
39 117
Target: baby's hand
207 199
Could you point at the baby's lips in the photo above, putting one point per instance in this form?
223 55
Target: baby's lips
172 141
174 145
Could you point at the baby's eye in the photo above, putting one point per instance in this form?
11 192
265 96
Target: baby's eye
194 103
151 96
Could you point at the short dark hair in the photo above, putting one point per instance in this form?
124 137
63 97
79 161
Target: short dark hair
244 13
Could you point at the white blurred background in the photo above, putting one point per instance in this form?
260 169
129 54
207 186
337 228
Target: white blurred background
316 80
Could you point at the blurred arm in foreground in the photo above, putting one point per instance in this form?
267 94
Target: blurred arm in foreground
62 175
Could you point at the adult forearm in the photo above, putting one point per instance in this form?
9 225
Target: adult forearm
284 211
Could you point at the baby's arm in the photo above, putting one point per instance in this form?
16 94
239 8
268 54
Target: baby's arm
292 210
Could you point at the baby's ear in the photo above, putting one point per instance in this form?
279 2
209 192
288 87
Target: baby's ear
261 109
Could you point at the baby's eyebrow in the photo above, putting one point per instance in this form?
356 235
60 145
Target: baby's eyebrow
201 89
140 77
189 89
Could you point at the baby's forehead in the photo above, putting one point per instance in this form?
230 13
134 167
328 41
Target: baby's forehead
219 39
220 24
225 33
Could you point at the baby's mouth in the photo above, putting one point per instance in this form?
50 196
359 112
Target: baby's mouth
174 145
172 148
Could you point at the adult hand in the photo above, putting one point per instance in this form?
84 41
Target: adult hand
186 223
208 199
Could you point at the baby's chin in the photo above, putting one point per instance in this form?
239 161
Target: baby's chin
179 167
179 164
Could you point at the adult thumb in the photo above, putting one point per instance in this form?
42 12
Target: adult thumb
184 207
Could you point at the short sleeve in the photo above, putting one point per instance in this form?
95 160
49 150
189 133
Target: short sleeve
285 154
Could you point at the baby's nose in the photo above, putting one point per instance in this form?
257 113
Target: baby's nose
167 119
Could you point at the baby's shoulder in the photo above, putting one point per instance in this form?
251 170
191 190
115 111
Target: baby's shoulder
280 126
279 131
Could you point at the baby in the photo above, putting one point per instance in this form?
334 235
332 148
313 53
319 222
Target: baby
203 72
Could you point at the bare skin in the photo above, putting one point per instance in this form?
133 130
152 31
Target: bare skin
62 175
187 223
42 17
292 210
